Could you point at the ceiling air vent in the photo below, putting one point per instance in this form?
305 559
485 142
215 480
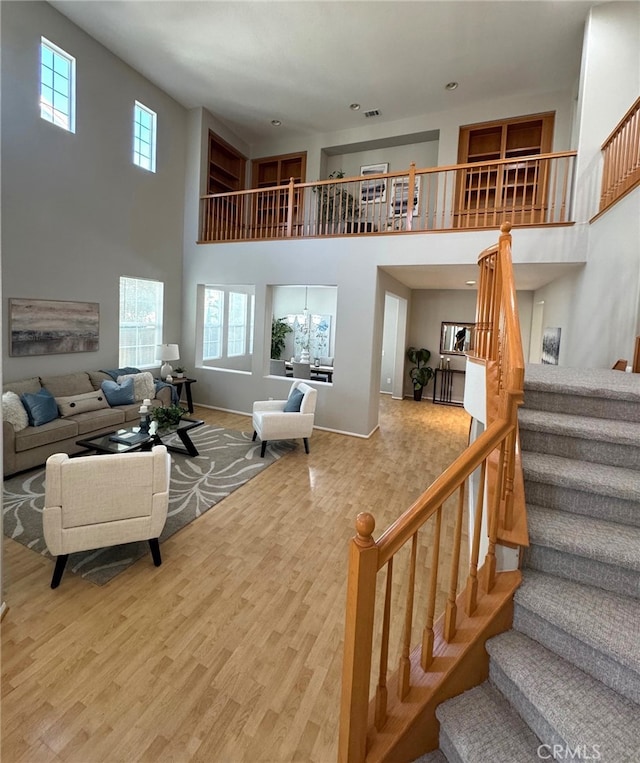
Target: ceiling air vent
372 113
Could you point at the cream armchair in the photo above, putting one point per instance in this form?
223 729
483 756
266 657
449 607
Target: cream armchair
97 501
272 419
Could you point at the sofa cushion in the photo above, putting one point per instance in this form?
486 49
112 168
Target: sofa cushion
71 405
24 385
93 421
34 437
143 385
13 411
68 384
119 394
41 407
97 377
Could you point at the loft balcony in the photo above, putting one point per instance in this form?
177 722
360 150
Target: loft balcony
533 190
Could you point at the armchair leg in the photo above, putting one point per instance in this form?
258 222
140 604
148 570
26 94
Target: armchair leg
155 551
255 434
263 448
61 563
306 444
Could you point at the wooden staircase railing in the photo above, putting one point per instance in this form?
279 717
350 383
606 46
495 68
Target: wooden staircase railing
442 654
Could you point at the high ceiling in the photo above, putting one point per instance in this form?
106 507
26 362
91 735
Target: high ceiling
305 62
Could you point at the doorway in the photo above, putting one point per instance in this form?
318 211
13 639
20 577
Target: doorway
394 331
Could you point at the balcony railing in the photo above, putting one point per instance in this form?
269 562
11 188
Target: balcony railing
621 152
534 190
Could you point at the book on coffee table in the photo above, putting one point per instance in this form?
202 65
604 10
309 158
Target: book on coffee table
129 436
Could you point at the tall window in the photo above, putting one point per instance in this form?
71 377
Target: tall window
141 305
227 323
144 137
57 86
213 318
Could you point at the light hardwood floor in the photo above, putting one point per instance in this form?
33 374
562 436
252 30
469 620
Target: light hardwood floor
231 651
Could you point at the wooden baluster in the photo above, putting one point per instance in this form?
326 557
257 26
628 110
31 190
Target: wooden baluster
494 510
451 611
381 690
512 441
410 197
404 669
290 193
472 582
358 640
426 655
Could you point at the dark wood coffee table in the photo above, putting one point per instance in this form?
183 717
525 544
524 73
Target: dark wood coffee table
129 439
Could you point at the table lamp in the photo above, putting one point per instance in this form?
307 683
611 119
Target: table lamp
167 352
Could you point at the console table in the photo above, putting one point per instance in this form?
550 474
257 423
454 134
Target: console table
443 386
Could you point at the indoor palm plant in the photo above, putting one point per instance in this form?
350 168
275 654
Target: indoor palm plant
279 330
335 203
421 373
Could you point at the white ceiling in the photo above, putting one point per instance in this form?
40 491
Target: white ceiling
304 62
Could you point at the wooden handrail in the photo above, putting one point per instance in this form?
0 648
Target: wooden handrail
530 190
493 456
621 155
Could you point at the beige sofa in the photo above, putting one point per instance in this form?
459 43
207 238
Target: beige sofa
32 446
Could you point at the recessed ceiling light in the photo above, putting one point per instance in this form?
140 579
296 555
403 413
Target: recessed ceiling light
470 283
355 107
276 122
451 86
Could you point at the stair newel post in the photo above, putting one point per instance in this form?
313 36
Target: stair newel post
494 511
290 193
426 653
381 690
411 196
404 668
358 640
451 611
509 478
472 583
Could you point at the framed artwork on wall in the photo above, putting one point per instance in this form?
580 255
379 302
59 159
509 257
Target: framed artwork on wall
551 346
375 189
52 326
399 200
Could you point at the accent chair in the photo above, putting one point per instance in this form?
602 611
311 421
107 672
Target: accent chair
97 501
286 419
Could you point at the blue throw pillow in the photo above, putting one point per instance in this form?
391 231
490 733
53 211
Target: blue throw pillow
118 394
294 401
41 407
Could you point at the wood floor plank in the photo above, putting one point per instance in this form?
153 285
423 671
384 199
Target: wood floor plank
231 651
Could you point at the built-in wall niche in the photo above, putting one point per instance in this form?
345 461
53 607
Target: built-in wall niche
225 326
309 311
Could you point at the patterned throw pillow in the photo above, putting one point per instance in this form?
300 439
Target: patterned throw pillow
70 405
143 385
13 411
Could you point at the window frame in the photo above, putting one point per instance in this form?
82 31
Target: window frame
148 348
137 155
70 95
246 327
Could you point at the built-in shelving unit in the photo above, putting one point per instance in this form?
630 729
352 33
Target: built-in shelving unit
271 210
518 188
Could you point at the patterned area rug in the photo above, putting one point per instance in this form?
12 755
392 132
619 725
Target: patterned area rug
227 460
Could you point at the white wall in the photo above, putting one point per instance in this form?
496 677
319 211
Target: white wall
398 157
76 213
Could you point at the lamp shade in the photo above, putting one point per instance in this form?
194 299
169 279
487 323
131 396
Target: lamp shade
168 352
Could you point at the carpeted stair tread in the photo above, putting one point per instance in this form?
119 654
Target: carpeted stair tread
586 427
588 382
560 702
608 542
613 620
585 476
436 756
480 725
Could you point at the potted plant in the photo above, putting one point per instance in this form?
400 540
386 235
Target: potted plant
279 330
421 373
168 416
179 372
335 204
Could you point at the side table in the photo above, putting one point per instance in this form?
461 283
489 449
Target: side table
186 383
443 386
